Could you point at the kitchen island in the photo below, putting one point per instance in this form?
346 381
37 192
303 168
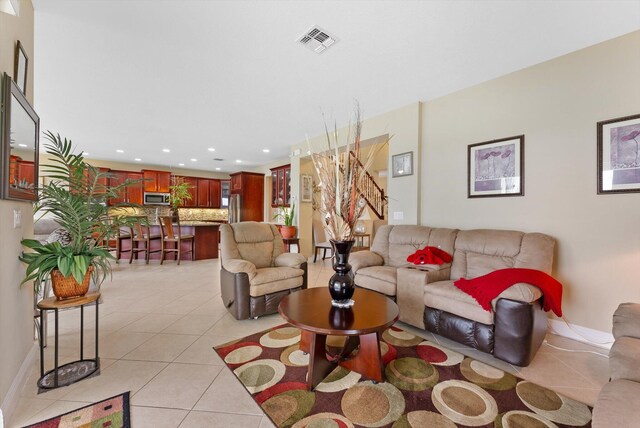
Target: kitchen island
206 237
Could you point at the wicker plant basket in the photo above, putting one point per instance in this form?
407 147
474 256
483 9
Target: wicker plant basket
68 287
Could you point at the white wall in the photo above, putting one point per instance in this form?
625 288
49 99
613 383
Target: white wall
556 105
16 303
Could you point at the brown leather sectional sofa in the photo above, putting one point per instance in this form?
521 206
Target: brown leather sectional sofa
428 299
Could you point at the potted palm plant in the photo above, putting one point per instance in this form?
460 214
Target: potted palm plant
288 230
75 197
180 192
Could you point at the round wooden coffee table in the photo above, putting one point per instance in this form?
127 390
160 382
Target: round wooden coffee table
311 311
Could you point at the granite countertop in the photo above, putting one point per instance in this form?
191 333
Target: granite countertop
194 223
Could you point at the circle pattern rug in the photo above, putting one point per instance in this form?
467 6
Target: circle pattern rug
427 385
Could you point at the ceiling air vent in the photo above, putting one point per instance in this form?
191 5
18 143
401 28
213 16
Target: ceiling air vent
317 40
218 159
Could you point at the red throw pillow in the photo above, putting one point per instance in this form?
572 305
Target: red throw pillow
429 256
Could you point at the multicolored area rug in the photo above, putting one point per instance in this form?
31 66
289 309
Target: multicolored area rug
427 386
112 413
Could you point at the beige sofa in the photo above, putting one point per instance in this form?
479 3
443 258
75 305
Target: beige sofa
618 404
428 298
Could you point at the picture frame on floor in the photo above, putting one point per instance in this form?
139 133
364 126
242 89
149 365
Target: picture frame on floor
306 188
496 168
21 67
619 155
402 164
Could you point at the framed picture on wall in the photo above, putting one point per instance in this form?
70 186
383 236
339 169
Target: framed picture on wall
20 69
619 155
306 188
496 168
402 164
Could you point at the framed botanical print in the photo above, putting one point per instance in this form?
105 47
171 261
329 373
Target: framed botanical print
619 155
20 69
402 164
306 194
496 168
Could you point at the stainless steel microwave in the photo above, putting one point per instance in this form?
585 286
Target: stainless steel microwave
151 198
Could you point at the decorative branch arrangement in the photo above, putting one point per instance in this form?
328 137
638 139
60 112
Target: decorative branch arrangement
341 176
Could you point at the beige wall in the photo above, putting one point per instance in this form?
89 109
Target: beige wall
16 303
556 105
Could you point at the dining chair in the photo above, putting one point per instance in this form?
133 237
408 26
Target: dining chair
319 240
171 235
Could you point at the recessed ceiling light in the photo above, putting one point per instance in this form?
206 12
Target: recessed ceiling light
120 151
217 169
22 145
166 150
194 160
85 154
138 160
238 161
180 164
211 149
266 150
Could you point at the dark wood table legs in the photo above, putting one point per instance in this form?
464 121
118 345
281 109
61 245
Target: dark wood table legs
367 361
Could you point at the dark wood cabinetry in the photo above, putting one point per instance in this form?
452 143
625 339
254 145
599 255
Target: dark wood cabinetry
208 193
250 187
225 186
156 181
131 194
281 186
205 192
214 193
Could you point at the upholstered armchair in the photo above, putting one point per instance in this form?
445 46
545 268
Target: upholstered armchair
256 273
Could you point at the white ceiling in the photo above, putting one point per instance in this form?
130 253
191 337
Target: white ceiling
142 76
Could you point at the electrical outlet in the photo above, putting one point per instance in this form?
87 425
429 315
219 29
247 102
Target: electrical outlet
398 215
17 219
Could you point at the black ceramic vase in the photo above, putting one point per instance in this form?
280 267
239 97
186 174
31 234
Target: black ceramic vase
341 284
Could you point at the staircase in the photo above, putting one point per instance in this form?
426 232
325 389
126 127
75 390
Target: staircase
371 192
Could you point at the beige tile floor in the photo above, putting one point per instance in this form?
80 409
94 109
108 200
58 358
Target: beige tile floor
158 325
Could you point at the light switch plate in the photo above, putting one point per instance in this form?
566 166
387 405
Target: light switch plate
17 219
398 215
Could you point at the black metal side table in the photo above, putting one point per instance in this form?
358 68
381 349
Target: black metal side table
77 370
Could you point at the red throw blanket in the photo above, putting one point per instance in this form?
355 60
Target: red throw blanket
429 256
486 288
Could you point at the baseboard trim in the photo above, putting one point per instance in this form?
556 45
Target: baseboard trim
13 395
593 337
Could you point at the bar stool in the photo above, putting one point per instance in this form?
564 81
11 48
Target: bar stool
142 234
114 243
168 235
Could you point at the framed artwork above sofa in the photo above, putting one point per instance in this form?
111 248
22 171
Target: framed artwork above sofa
619 155
496 168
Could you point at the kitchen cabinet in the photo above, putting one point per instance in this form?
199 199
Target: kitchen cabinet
208 193
156 181
131 194
21 172
281 186
225 186
250 187
204 193
215 193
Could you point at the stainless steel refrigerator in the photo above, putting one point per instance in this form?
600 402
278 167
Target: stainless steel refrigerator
235 205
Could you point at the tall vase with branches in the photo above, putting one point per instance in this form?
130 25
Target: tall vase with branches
342 173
